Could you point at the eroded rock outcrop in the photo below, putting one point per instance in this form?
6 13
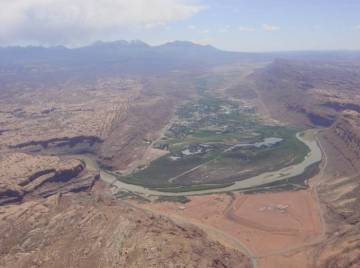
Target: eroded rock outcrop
66 218
92 230
23 175
330 101
64 145
346 131
10 193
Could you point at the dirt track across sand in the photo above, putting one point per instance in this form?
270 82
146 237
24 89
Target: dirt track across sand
275 229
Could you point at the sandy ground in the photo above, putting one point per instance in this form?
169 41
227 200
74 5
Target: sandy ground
278 229
66 110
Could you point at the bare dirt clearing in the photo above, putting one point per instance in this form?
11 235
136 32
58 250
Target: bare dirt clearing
278 228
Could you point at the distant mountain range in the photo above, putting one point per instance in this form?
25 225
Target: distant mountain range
139 57
128 56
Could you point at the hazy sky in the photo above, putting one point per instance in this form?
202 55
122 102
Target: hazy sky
242 25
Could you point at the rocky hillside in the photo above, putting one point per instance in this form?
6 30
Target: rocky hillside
54 213
339 193
310 93
77 230
326 96
23 176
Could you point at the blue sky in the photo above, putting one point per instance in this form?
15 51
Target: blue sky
293 25
242 25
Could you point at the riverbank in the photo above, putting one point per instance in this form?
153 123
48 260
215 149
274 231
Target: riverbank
287 173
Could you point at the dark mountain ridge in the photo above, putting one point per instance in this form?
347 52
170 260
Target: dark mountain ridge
134 57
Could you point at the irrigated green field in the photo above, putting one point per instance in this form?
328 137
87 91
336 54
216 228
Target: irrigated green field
215 142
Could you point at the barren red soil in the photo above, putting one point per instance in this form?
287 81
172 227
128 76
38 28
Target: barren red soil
276 228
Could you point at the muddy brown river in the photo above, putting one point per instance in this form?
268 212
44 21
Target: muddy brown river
308 138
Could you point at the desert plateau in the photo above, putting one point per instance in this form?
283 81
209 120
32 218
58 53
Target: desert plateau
179 154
